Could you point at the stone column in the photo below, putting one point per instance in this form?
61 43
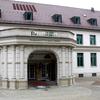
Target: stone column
5 68
63 80
22 83
63 63
69 62
22 62
59 71
70 75
66 78
12 81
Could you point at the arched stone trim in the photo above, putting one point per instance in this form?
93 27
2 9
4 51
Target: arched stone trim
55 51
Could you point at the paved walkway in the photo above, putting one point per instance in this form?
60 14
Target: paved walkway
81 91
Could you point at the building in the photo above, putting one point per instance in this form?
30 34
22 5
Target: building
47 43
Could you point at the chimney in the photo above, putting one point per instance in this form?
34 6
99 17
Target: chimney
92 9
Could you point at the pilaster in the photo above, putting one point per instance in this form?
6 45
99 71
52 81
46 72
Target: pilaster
21 62
69 61
63 62
21 83
12 80
5 68
67 78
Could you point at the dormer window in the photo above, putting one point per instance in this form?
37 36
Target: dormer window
76 20
28 16
92 21
0 13
57 18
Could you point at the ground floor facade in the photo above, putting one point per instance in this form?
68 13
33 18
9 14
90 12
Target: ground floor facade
21 65
34 56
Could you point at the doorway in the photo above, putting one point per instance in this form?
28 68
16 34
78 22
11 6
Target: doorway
42 68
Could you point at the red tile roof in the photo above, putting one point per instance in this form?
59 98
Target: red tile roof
12 12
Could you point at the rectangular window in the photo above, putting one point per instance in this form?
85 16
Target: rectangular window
94 74
57 18
92 39
80 75
0 13
76 20
93 59
92 21
80 60
79 39
28 15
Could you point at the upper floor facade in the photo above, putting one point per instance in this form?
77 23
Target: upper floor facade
26 13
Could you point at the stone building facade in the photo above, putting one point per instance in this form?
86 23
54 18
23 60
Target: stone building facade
40 44
15 50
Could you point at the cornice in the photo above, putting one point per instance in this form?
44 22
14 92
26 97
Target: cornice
87 48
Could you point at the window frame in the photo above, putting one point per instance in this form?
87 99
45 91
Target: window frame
92 39
0 13
79 40
57 18
93 59
80 75
92 21
94 74
80 59
76 20
27 14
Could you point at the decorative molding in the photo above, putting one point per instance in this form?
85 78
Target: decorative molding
2 62
17 62
25 62
67 62
87 48
9 63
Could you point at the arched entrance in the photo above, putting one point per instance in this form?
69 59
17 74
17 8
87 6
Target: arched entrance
42 68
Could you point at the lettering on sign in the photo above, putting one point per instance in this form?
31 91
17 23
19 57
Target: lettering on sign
41 33
49 34
33 33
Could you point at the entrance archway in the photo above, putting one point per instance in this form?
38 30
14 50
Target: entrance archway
42 68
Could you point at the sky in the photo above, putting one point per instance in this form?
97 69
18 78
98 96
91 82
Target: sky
87 4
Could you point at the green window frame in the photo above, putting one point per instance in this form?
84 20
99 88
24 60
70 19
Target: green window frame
92 21
92 39
76 20
28 15
93 59
80 59
79 39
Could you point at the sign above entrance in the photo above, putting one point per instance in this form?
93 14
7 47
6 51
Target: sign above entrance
43 33
36 33
51 34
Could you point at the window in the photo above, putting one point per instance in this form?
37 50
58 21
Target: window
28 16
79 39
76 20
57 18
93 59
92 21
94 74
80 60
0 13
80 75
92 39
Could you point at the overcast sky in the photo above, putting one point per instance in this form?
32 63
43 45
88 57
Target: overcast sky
71 3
